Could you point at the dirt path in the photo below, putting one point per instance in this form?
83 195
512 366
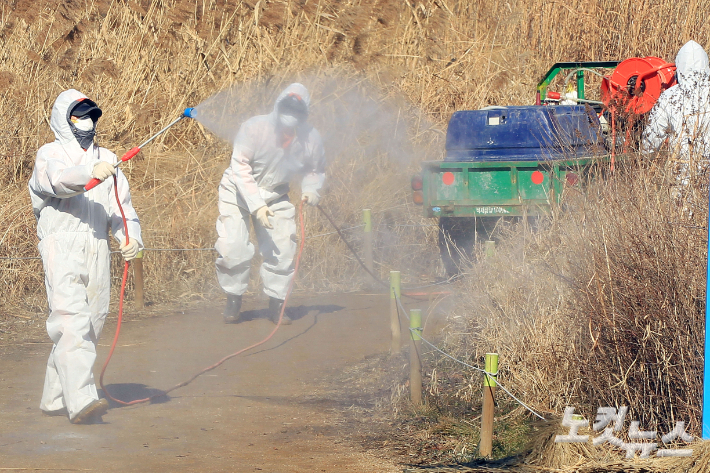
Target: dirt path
258 412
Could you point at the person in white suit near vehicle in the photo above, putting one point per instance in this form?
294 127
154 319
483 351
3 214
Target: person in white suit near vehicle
680 119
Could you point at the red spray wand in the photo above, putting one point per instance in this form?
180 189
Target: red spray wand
188 113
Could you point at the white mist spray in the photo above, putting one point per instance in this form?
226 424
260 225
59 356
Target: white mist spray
373 145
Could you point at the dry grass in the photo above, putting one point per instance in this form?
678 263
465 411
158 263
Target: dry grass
549 456
145 61
602 307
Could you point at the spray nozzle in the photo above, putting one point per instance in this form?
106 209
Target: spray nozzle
190 112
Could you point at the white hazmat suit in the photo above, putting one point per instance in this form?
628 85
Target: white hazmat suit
681 117
73 230
265 158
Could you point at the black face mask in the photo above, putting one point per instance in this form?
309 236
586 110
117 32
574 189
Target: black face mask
294 106
85 138
84 107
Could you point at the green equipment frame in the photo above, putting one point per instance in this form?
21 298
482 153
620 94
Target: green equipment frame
580 67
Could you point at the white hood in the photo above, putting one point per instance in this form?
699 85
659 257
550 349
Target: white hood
60 124
691 64
295 88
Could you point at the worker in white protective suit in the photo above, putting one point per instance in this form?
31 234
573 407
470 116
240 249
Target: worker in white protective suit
73 231
681 117
269 150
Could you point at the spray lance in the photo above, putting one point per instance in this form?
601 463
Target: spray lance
188 113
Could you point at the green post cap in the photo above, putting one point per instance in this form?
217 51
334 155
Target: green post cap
415 323
367 219
491 367
395 291
490 248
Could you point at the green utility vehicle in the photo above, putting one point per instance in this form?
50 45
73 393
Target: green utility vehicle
509 162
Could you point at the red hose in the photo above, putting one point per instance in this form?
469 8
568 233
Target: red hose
211 367
120 300
613 139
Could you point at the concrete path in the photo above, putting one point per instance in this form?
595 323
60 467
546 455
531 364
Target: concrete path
262 411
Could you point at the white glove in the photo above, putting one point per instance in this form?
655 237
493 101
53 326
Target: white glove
103 170
263 214
130 250
311 198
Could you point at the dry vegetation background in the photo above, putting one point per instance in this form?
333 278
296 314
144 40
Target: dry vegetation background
601 307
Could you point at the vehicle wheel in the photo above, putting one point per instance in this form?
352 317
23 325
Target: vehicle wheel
457 240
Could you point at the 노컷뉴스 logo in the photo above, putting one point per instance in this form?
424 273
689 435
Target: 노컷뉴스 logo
608 415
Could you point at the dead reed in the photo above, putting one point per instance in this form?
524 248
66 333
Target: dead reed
602 305
145 61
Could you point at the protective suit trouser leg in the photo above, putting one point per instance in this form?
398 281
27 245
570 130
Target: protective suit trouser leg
78 290
52 398
233 245
278 248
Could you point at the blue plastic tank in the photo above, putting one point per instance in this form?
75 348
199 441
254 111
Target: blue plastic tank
525 133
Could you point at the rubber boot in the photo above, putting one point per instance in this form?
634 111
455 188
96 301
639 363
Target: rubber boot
91 413
231 312
275 306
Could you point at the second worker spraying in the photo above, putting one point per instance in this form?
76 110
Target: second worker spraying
269 151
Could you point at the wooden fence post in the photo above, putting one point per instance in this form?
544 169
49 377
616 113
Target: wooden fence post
489 385
395 293
415 362
137 264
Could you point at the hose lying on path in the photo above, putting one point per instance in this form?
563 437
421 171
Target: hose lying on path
211 367
239 352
